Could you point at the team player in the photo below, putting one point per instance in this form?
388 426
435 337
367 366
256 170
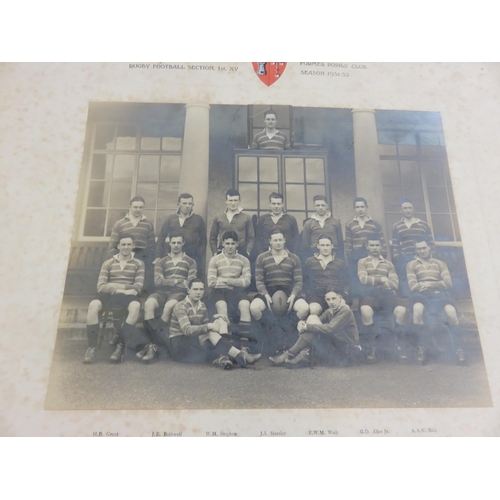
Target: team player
276 219
270 137
191 226
430 283
322 223
233 219
121 279
194 339
404 233
172 276
357 232
337 323
136 224
228 278
379 282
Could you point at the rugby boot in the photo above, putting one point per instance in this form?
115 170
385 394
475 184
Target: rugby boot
150 354
244 358
402 357
371 358
118 354
280 359
142 352
223 362
89 355
302 359
421 355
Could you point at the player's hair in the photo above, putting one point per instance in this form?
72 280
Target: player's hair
277 231
137 198
230 235
420 239
372 238
327 237
184 196
358 198
276 195
405 200
332 289
125 235
195 280
232 192
319 197
176 234
270 112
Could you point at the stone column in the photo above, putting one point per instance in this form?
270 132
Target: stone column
367 161
194 161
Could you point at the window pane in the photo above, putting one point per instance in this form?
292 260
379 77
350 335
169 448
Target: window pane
101 166
113 216
295 197
268 169
294 170
392 195
125 137
170 169
442 227
151 143
264 192
98 194
104 137
248 194
312 191
416 195
171 144
407 150
247 168
421 216
390 172
451 199
315 170
120 194
410 173
457 228
387 149
149 168
169 192
124 167
433 173
438 201
94 223
435 151
149 191
161 217
301 218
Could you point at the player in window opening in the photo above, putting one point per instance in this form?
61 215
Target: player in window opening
193 229
233 219
270 137
136 224
430 284
278 270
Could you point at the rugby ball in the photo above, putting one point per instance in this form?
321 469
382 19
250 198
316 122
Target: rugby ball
279 305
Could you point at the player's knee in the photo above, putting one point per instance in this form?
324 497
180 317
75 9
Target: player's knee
450 312
244 305
94 307
150 305
313 319
418 309
315 309
399 311
366 311
134 307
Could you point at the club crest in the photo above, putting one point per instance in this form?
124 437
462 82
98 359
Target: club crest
269 72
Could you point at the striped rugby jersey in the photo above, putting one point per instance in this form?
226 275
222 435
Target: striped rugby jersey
169 275
371 270
188 319
433 271
286 274
278 141
403 236
357 236
143 233
237 269
132 274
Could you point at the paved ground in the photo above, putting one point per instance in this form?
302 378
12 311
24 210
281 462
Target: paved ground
169 385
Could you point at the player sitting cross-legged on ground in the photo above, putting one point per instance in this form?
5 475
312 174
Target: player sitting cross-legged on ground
337 323
278 270
121 279
194 339
172 276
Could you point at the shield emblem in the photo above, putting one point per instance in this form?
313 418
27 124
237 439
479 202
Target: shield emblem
269 72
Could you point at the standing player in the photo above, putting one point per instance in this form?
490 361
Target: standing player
379 284
121 279
278 269
193 339
322 223
403 246
324 271
172 276
136 224
430 282
191 226
337 323
270 137
357 232
233 219
276 219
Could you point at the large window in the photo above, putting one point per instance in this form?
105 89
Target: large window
298 176
414 166
128 160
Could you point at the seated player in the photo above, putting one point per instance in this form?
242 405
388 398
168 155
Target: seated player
228 278
278 269
172 276
379 284
322 222
121 279
193 339
322 272
337 323
430 282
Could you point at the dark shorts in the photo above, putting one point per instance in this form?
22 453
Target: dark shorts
272 290
163 296
433 303
379 300
231 297
116 301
